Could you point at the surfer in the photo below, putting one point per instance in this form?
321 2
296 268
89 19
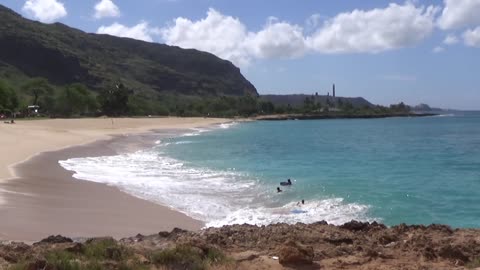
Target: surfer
279 190
288 183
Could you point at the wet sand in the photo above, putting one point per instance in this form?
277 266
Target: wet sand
44 199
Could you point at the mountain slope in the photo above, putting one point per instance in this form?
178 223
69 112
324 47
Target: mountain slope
66 55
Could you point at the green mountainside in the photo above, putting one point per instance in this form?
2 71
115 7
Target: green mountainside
54 70
65 55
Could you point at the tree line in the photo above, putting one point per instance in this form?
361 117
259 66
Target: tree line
76 100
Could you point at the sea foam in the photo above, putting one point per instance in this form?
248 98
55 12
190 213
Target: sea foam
217 197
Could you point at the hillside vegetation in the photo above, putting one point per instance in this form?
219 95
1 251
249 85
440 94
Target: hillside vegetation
65 55
70 73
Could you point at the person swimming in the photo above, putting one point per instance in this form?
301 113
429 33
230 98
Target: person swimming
279 190
288 183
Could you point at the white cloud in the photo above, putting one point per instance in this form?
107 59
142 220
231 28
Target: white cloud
450 40
141 31
228 38
224 36
359 31
472 37
277 40
438 49
459 13
106 8
45 10
374 30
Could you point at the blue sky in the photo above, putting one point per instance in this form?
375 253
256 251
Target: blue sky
386 51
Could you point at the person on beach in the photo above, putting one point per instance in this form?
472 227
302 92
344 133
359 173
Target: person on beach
303 202
279 190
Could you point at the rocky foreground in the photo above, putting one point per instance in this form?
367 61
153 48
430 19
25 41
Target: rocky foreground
353 245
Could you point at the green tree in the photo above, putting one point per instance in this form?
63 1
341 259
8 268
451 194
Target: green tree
400 108
308 104
267 107
75 99
247 105
38 88
114 100
8 97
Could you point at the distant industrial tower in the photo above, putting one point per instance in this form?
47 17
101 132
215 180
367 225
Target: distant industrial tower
334 90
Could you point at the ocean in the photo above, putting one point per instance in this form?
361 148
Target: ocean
393 170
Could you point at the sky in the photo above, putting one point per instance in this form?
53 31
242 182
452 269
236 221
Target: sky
386 51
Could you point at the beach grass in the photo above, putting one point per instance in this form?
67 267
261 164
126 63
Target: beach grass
95 254
188 257
106 253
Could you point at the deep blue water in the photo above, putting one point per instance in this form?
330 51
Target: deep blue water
395 170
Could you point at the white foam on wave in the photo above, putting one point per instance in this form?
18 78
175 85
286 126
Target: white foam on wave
195 132
201 193
445 115
215 197
228 125
334 211
198 131
183 142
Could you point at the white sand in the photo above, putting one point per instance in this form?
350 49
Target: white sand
20 141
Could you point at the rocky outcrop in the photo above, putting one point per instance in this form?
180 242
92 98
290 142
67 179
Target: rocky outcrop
292 253
54 239
354 245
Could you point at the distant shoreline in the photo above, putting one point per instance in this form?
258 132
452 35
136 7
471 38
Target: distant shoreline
285 117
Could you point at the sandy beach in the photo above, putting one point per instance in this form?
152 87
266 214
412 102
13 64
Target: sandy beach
39 198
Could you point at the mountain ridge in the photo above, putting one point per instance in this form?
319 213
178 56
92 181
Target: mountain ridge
65 55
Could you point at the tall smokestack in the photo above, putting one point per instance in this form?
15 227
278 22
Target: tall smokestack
333 90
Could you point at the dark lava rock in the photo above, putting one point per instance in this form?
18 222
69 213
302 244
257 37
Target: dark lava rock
453 253
139 237
178 231
355 226
429 254
164 234
338 240
55 239
76 248
442 228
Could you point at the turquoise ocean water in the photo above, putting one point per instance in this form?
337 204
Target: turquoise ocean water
395 170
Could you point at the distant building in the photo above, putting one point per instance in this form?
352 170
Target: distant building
334 90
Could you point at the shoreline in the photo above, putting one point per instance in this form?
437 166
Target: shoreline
284 117
41 198
28 138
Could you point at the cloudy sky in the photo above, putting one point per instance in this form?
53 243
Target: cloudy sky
386 51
